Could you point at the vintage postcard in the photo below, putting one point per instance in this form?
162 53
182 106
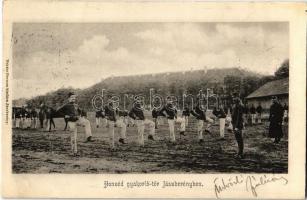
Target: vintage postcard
153 100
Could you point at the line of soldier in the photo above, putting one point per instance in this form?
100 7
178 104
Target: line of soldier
74 116
117 118
33 118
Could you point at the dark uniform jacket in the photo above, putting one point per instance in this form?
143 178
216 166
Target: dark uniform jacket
219 113
245 110
199 113
41 114
110 113
70 109
259 109
122 113
237 116
253 110
170 111
186 112
276 113
156 113
23 112
100 113
33 114
137 113
17 113
27 114
276 117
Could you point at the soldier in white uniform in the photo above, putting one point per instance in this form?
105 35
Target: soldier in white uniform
72 112
110 113
137 114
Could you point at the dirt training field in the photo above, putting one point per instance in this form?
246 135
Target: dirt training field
37 151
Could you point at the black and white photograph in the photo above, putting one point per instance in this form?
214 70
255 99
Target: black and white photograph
150 97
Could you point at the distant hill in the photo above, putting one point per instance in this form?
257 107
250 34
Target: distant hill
174 83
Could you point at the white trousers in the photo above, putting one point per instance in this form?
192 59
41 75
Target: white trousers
34 122
228 120
140 124
101 121
26 123
209 123
98 121
222 127
258 118
186 118
171 124
200 125
253 118
160 120
119 123
18 122
74 131
182 122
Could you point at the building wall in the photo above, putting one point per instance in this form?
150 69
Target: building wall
266 102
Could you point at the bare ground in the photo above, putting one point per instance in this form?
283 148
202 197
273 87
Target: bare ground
37 151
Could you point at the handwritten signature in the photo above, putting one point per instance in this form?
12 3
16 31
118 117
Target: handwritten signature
252 183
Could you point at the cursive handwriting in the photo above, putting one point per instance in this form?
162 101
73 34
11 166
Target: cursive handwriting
252 182
221 185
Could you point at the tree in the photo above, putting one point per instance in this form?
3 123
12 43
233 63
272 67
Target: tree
283 70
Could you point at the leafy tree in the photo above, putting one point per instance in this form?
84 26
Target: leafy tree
283 70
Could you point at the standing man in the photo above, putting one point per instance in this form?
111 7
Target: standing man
155 115
137 114
170 112
200 114
41 116
221 115
66 123
18 117
34 118
253 114
98 117
27 120
72 112
186 114
110 113
245 115
286 113
276 117
23 117
50 112
237 123
259 112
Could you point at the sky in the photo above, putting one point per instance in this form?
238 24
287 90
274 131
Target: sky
49 56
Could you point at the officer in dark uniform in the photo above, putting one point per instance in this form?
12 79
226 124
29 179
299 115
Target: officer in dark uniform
41 116
237 124
276 117
50 113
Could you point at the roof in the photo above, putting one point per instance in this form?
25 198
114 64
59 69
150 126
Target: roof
273 88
